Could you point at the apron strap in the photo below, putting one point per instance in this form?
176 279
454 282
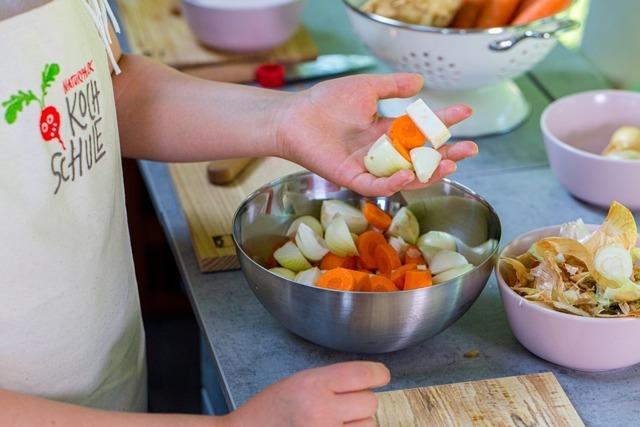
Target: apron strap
101 14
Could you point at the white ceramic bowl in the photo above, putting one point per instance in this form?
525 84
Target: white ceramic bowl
581 343
242 25
576 129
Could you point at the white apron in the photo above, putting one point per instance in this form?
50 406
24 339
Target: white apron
70 324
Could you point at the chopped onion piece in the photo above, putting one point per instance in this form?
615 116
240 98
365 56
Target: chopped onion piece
308 220
310 244
338 238
613 261
283 272
405 225
383 159
353 216
452 274
433 242
438 239
399 245
289 256
425 162
626 138
446 260
308 277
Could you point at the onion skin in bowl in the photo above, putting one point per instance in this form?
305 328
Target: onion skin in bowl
581 343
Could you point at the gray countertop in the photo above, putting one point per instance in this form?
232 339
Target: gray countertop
251 350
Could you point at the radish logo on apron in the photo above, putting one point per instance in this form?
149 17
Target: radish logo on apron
82 114
49 115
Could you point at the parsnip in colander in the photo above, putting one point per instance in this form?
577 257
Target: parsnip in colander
434 13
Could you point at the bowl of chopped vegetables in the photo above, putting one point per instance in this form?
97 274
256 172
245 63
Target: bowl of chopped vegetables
572 292
369 275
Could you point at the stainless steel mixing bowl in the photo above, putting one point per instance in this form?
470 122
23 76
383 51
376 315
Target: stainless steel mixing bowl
364 322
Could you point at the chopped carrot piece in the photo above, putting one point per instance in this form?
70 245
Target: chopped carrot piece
401 149
496 13
339 279
382 284
397 275
404 132
331 261
413 256
415 279
367 243
387 259
468 14
360 265
376 216
361 279
539 9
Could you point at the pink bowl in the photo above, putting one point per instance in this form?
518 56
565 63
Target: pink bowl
242 25
581 343
576 129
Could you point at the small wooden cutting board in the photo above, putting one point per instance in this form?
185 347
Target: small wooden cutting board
530 400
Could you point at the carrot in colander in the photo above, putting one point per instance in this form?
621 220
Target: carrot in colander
468 14
540 9
496 13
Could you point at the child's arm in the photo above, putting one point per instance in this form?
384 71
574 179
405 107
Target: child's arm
166 115
333 396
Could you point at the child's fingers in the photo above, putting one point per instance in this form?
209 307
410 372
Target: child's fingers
454 114
356 406
368 185
356 376
395 85
459 150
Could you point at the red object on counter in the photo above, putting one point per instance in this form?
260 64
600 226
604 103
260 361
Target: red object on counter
270 75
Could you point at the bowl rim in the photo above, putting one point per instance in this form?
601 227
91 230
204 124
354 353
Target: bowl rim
457 31
559 142
253 5
537 307
403 292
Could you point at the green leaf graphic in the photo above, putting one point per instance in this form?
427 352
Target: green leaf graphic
48 76
16 103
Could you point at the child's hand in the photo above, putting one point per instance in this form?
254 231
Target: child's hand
329 128
333 396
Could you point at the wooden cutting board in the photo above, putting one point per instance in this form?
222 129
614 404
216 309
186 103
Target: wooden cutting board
158 29
209 208
522 401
